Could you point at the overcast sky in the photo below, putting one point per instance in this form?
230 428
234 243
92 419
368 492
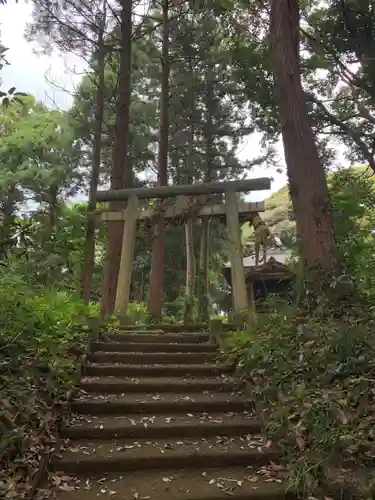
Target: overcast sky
30 72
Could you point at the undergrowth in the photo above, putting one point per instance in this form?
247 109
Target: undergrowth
41 338
315 377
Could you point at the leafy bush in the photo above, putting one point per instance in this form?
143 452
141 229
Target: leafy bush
315 378
41 337
137 313
353 201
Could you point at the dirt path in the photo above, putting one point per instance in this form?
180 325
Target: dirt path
160 417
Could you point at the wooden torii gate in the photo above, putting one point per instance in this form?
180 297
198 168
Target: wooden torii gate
231 210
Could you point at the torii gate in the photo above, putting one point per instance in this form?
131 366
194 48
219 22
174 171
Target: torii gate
231 210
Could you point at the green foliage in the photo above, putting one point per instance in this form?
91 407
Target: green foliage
314 377
48 255
137 313
353 200
42 334
38 149
39 160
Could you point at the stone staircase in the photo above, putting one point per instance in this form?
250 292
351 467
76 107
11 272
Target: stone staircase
158 417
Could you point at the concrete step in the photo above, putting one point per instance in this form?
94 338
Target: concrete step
129 455
153 358
152 347
157 404
181 385
138 426
123 370
240 483
174 338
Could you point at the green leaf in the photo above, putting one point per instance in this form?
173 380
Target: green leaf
226 4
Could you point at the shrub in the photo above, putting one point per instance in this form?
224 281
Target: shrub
137 313
41 336
315 378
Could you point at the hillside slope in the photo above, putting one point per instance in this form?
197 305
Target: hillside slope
279 214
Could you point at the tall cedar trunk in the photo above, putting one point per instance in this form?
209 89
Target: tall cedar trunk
203 305
89 249
155 298
307 181
189 229
121 174
190 272
203 311
190 266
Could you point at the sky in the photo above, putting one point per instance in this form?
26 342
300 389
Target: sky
33 73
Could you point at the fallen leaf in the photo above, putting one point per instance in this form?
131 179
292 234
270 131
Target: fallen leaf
276 467
66 487
300 442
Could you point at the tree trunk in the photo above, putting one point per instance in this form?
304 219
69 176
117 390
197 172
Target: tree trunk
8 217
141 288
89 248
189 227
190 272
203 312
155 299
307 181
121 174
51 212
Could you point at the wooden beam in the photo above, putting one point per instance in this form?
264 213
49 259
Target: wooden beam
216 210
239 289
127 256
162 192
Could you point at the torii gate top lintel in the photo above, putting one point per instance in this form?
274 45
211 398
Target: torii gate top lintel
162 192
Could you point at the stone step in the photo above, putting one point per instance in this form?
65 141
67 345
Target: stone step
152 426
152 347
139 330
120 370
157 404
240 483
174 338
166 327
129 455
153 358
180 385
